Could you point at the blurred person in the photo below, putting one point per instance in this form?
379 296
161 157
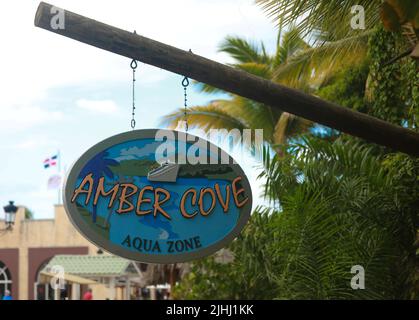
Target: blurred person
88 295
7 295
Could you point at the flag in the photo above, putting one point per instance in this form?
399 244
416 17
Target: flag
50 162
54 182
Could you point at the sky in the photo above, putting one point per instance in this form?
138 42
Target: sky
59 94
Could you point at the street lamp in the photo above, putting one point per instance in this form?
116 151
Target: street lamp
10 215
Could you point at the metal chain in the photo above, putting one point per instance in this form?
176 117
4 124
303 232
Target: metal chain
133 67
185 84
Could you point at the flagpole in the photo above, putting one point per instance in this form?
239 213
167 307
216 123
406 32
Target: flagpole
59 173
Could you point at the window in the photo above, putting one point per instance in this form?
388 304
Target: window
5 279
43 290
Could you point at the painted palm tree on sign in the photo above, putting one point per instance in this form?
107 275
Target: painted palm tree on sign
99 166
241 113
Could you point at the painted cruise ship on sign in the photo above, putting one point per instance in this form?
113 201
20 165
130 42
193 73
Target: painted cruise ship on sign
167 172
154 196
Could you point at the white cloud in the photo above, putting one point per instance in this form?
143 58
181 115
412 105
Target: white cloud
18 117
36 142
98 106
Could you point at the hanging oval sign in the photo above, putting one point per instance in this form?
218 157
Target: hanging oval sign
158 196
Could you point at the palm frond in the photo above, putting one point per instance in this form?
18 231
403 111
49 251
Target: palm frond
206 117
257 69
289 126
243 51
318 63
290 44
206 88
330 19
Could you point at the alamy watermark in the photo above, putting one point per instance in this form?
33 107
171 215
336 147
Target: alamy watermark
358 280
358 18
183 148
58 19
57 282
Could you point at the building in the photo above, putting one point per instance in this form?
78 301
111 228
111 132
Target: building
31 249
109 276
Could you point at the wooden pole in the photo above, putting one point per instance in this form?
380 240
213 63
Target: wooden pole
229 79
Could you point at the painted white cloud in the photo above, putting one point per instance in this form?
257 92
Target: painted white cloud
138 153
98 106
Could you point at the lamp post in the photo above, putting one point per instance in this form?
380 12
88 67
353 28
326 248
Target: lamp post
10 215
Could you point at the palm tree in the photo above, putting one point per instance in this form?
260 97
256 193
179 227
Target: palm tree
28 214
334 206
329 20
316 65
340 206
241 113
295 63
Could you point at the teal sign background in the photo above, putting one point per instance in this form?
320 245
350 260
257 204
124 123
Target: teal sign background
186 225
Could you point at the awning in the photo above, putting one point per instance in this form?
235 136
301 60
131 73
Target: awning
46 277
